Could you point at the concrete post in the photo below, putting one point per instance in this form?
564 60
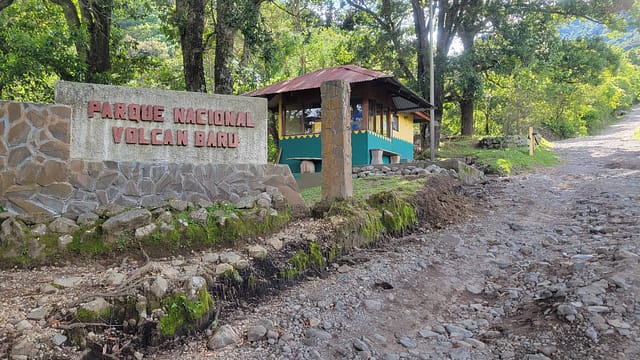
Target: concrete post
336 140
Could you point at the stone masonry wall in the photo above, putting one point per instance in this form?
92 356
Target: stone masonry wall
38 178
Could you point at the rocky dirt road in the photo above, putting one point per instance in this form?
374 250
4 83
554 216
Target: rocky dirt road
546 268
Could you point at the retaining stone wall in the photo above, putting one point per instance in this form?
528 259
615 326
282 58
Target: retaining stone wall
38 177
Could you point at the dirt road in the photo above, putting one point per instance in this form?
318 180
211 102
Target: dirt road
546 269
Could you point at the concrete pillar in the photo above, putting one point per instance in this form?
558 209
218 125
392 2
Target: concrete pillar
376 156
307 166
336 140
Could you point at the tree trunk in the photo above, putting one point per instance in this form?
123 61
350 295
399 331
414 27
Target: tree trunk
190 20
225 34
73 22
5 3
466 110
97 15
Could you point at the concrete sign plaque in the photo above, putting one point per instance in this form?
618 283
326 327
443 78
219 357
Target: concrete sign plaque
147 125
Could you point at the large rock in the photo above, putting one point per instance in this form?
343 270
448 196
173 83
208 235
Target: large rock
63 225
468 175
94 310
128 220
159 287
257 252
224 336
11 233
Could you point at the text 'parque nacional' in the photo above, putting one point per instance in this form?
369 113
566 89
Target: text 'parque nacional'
171 137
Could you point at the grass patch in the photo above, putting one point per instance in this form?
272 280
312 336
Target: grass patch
636 135
504 162
363 188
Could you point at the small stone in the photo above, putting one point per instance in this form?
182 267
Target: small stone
275 243
210 258
116 278
23 349
427 333
39 313
63 225
64 241
24 325
344 268
257 252
159 287
223 268
39 230
372 305
475 289
566 309
598 309
225 335
48 289
592 334
476 343
453 329
145 231
360 345
96 308
59 339
256 333
407 342
179 205
272 334
315 333
230 257
87 219
138 355
537 357
617 323
201 216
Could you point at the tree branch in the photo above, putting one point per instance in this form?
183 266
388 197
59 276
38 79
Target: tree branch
5 3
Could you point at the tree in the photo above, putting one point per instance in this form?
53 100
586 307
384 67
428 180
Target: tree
189 20
32 59
95 16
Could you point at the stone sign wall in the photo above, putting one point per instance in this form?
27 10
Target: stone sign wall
147 125
41 176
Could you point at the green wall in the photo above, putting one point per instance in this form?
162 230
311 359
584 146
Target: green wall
361 142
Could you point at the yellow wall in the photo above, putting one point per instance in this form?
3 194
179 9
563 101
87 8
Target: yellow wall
405 127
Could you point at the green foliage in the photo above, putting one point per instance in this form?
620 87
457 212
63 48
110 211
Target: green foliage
35 50
89 316
505 162
182 314
636 135
89 242
233 276
304 260
397 214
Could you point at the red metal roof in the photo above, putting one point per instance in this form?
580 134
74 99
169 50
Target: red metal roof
313 80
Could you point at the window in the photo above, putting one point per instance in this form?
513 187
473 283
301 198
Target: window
385 122
372 115
293 120
380 120
312 119
302 119
357 114
395 122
